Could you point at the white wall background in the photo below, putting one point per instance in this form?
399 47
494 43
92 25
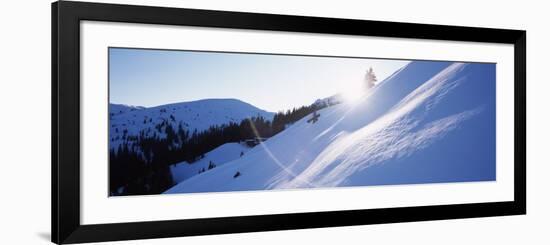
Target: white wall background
25 121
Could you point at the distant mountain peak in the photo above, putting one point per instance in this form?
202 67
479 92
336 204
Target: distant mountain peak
126 122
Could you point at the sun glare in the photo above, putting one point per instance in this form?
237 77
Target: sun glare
352 95
353 91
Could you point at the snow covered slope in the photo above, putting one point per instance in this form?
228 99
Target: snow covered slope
430 122
219 156
117 109
192 115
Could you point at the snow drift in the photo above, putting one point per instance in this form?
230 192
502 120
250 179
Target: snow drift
429 122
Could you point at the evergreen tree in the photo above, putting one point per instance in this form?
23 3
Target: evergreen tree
370 78
211 165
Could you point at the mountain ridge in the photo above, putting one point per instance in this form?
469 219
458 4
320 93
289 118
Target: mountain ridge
191 115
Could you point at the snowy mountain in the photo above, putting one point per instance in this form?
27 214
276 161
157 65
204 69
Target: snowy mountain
127 122
430 122
117 109
215 158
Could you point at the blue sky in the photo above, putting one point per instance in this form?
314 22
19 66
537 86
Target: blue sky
145 77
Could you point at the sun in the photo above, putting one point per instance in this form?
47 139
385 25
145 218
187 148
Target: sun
353 91
352 95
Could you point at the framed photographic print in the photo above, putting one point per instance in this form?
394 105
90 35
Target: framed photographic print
176 122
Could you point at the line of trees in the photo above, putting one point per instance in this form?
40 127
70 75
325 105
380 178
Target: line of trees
284 118
142 165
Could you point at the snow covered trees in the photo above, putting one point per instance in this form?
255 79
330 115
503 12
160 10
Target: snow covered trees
140 165
370 78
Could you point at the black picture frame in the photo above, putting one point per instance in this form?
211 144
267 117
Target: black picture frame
66 17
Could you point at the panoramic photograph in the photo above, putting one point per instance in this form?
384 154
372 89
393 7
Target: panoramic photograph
204 121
